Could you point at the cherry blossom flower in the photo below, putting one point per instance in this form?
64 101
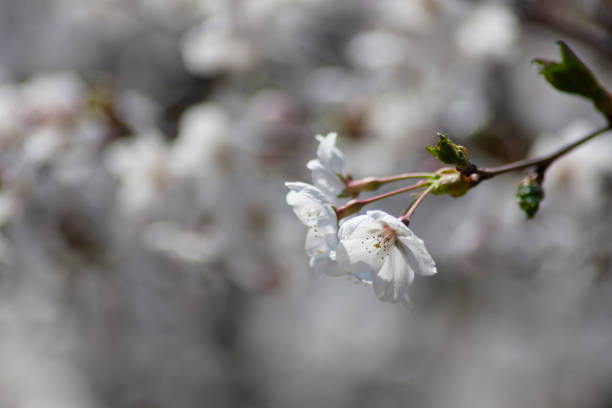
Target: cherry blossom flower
140 164
315 211
214 47
378 248
328 171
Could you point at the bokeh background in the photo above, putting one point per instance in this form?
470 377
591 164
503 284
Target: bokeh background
148 258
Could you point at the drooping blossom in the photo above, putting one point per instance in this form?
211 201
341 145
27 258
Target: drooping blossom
378 248
314 210
328 169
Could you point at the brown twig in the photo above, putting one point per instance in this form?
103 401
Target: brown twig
540 164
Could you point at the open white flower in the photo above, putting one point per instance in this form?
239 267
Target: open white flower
328 169
378 248
315 211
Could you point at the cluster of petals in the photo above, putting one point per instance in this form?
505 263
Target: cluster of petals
328 169
315 211
376 248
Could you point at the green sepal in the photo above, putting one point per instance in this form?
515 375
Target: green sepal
571 75
450 181
529 194
450 153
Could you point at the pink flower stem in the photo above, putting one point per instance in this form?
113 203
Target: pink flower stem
355 205
406 217
372 183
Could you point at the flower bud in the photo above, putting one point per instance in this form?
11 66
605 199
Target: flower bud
451 182
450 153
529 194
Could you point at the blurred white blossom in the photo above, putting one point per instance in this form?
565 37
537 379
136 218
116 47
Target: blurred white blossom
489 31
203 131
214 47
415 16
141 166
183 244
52 97
377 50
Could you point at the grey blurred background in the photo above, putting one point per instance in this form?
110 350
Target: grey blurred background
147 256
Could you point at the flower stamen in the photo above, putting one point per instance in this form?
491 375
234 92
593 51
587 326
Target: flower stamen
381 242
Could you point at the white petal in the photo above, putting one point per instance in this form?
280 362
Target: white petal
304 208
351 252
310 206
305 188
316 244
321 250
356 253
319 244
326 147
412 246
393 279
331 236
417 255
400 228
349 262
325 180
348 226
365 230
330 156
329 139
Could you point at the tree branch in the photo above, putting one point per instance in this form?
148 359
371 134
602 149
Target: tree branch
540 164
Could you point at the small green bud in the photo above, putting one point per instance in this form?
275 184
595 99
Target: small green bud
450 153
529 194
572 76
450 181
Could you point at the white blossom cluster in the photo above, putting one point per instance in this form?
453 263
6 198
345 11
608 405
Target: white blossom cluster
376 248
147 257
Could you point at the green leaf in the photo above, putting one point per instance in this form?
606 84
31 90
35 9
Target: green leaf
573 76
529 194
450 153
